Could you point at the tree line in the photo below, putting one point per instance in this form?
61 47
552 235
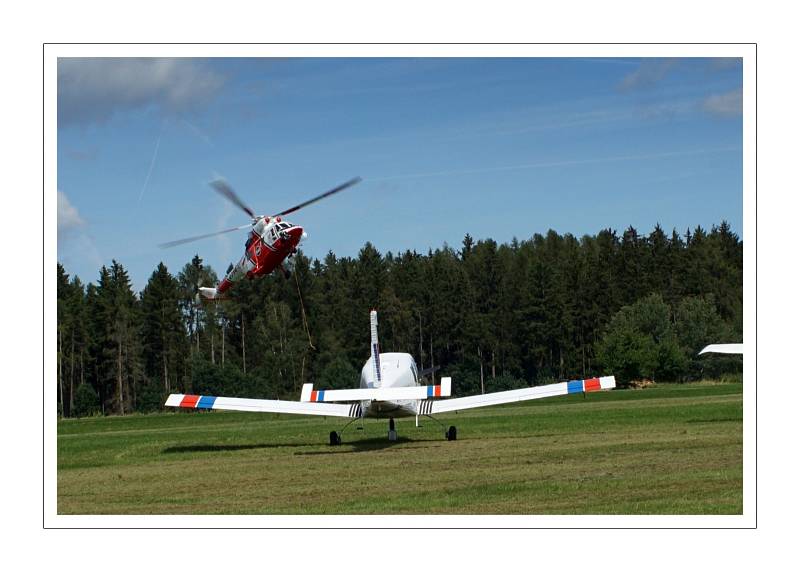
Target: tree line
493 316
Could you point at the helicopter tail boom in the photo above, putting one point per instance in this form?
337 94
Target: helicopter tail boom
209 293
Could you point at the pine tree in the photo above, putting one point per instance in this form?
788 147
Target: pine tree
163 333
100 316
125 323
194 275
62 286
78 339
72 343
632 267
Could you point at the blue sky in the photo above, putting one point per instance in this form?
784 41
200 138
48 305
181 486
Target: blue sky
498 148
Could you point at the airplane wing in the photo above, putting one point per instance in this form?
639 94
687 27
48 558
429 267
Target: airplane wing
263 405
723 349
565 388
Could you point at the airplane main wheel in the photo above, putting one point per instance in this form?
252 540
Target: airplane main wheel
335 438
451 433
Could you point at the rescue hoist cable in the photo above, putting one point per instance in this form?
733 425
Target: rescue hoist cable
303 311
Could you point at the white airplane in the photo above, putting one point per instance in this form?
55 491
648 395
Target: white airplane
723 349
390 387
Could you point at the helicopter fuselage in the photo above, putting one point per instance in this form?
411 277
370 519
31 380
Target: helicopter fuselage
270 243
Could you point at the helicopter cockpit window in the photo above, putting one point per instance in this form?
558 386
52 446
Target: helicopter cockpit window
274 232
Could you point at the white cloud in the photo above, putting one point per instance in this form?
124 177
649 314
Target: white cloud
92 90
650 72
75 246
68 217
718 64
725 104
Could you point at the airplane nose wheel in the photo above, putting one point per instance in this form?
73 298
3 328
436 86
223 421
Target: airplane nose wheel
392 432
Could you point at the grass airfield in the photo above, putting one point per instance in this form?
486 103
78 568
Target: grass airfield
672 449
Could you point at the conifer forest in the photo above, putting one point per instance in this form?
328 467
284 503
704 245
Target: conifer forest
492 316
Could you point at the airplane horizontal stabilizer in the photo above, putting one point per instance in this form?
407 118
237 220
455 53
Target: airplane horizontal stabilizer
309 394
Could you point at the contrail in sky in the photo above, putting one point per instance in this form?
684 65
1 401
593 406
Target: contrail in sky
152 163
556 164
196 130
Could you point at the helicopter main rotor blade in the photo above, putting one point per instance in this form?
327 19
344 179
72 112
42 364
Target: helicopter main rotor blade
333 191
193 238
224 189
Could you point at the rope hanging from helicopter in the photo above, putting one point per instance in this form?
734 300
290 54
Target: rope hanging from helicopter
303 311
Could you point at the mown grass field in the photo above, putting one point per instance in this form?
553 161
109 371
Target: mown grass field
665 450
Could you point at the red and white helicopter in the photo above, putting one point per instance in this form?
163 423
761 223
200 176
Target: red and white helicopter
272 240
390 387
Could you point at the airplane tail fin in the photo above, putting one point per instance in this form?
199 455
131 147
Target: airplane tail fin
374 348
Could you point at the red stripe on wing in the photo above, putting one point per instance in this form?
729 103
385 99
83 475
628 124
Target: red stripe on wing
592 384
189 401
